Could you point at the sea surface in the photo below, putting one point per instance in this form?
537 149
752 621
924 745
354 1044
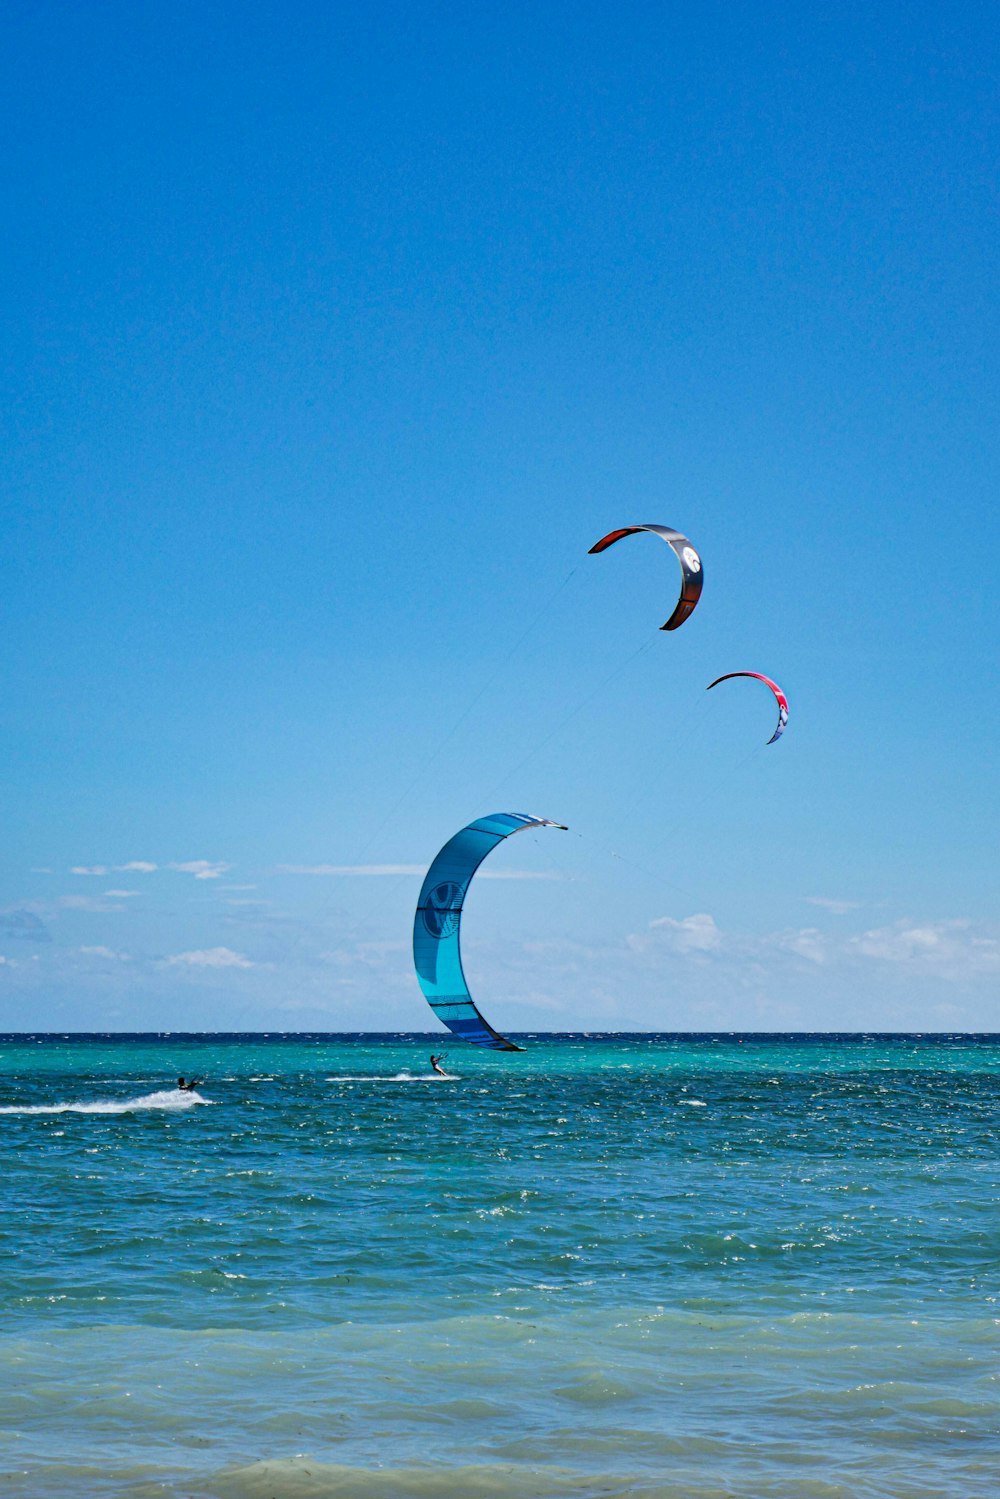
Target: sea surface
763 1267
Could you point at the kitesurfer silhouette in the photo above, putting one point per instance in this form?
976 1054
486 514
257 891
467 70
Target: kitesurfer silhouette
434 1065
190 1085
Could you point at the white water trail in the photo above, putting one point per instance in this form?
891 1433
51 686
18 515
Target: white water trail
169 1098
398 1077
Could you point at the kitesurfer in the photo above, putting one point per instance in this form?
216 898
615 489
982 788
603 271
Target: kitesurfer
435 1065
190 1085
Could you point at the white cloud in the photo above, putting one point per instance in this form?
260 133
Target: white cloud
135 866
85 903
692 934
956 949
952 948
202 869
806 943
121 894
105 952
344 869
835 907
900 943
212 957
411 869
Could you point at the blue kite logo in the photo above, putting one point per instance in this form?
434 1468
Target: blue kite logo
443 909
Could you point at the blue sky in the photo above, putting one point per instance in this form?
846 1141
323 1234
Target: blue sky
333 338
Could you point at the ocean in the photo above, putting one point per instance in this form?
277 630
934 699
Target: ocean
703 1267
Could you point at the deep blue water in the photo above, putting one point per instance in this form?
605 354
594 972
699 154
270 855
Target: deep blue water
668 1265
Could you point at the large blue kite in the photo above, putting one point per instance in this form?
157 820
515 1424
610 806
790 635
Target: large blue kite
436 950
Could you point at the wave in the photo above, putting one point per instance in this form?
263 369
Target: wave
304 1478
169 1098
396 1077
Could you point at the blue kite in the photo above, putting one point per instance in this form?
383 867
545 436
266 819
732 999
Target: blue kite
436 951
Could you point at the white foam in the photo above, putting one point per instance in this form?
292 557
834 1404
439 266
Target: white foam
170 1098
398 1077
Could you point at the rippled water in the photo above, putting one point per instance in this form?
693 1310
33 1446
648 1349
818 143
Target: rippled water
685 1266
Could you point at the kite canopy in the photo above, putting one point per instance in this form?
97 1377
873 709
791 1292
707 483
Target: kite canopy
436 951
692 573
782 699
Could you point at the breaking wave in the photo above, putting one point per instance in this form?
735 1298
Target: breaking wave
169 1098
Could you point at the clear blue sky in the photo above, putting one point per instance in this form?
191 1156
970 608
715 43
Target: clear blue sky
333 336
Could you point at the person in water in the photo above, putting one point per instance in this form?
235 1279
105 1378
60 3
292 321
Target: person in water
435 1067
188 1087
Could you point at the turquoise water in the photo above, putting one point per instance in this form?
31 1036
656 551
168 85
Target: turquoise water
684 1266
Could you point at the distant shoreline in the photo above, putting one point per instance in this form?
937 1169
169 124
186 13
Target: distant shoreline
436 1036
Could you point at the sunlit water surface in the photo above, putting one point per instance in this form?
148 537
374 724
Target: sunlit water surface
653 1266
